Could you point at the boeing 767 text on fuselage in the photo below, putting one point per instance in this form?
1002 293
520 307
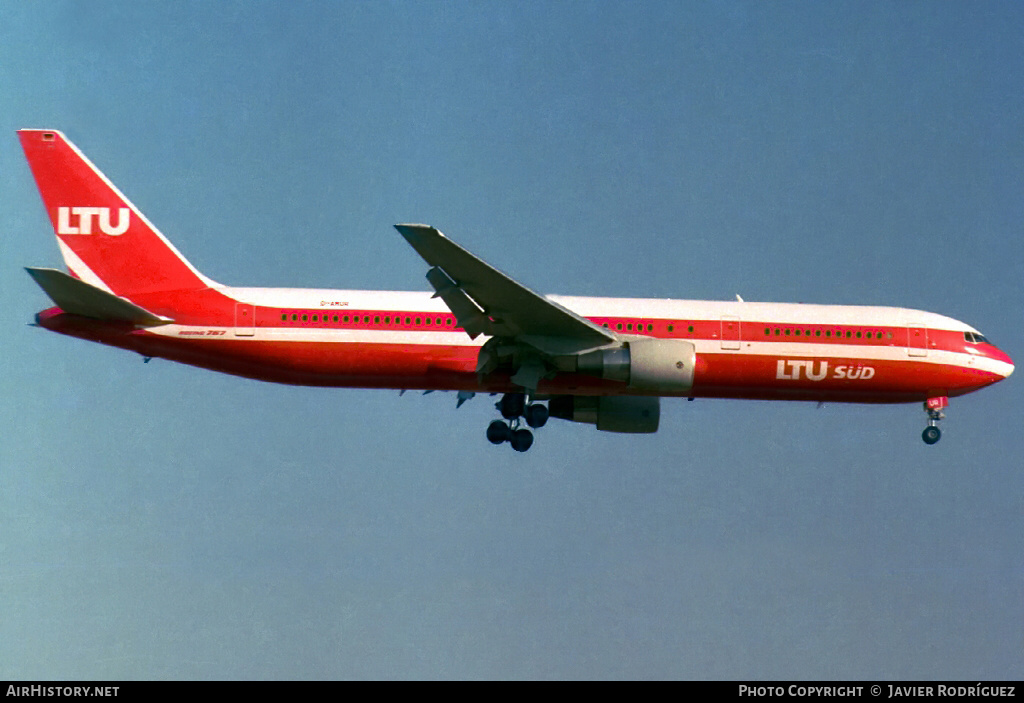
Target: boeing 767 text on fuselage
603 361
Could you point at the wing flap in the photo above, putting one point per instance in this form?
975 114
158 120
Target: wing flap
504 306
467 313
79 298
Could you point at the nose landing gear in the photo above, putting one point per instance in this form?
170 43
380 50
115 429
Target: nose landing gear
514 407
934 406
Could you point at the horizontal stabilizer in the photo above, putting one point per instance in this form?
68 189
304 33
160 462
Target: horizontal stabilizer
80 298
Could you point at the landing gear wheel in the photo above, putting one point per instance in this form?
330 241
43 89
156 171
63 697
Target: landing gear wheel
521 440
536 415
512 405
498 432
934 406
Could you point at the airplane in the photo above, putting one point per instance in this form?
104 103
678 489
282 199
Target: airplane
602 361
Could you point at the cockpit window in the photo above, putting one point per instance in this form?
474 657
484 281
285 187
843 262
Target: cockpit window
975 338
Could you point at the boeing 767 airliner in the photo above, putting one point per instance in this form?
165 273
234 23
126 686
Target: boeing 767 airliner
603 361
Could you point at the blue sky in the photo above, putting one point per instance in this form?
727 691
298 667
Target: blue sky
160 521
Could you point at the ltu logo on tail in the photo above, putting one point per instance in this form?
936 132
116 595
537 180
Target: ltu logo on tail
85 217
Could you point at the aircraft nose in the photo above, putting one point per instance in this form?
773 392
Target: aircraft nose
1006 363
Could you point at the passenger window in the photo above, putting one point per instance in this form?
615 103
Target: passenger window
305 318
376 319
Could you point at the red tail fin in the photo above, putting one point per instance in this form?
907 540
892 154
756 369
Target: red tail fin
104 239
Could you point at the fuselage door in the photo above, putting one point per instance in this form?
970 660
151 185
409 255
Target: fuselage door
245 320
730 332
917 340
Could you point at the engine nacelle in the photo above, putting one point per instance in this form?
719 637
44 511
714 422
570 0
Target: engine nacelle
665 365
611 413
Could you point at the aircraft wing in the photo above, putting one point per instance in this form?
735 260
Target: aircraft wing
486 301
79 298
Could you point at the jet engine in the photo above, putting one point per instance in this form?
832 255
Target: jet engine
611 413
664 365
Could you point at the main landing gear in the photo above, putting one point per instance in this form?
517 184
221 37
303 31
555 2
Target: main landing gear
934 406
514 408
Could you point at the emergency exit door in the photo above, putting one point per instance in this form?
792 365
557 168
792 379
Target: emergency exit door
245 320
730 332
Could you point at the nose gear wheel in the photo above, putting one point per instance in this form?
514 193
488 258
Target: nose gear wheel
932 433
